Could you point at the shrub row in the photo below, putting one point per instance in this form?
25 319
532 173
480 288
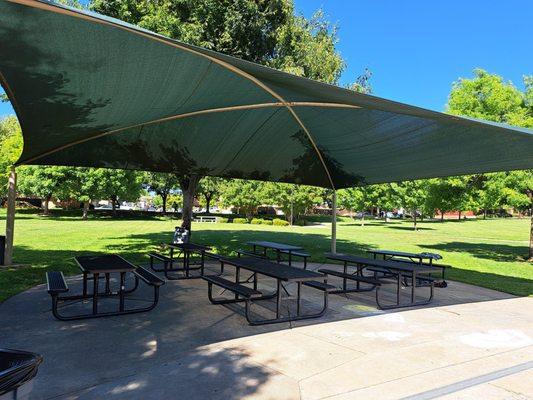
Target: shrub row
254 221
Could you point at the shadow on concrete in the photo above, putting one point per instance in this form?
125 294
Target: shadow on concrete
221 374
185 338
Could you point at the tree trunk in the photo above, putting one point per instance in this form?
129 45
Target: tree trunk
484 214
207 203
164 198
459 218
188 186
85 210
363 219
442 216
414 219
46 208
114 205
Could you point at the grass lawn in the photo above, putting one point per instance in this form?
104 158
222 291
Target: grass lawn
487 253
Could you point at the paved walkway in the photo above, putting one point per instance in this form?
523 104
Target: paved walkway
473 343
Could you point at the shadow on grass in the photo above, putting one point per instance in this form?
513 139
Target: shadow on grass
227 242
502 283
489 251
76 215
135 247
411 228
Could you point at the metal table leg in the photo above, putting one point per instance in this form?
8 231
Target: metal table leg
278 299
413 286
107 284
298 299
95 294
85 283
399 288
121 290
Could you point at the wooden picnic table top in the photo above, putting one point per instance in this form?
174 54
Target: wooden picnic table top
387 264
275 246
104 264
272 269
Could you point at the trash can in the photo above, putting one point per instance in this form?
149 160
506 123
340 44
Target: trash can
2 249
181 235
17 370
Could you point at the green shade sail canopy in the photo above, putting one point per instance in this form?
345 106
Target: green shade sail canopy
93 91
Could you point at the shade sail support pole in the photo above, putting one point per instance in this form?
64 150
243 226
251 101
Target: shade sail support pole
10 218
334 223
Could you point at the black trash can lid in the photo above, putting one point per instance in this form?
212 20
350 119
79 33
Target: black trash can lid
16 368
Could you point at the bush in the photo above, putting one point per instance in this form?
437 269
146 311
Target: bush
300 222
266 221
222 220
240 221
256 221
280 222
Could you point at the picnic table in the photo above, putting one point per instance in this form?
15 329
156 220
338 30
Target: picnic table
279 248
93 268
187 249
397 269
206 218
412 257
280 272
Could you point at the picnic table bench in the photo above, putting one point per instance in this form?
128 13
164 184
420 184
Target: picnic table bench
186 250
280 249
93 267
392 269
282 273
423 258
206 218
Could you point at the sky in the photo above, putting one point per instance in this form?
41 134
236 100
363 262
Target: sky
416 49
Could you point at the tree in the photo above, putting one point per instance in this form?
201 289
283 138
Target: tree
84 185
412 196
188 185
119 184
448 194
162 184
266 32
294 200
307 48
45 182
246 196
10 149
362 83
487 96
356 199
210 188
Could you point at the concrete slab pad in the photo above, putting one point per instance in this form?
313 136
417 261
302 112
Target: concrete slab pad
189 348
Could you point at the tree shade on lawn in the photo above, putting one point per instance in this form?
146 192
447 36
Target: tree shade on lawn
113 95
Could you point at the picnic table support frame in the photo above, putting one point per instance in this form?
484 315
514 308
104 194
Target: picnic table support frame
57 299
413 302
277 294
186 262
